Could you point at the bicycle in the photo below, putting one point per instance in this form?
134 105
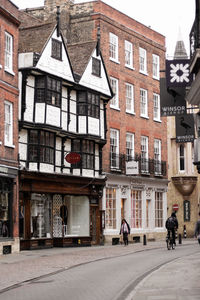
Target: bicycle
169 241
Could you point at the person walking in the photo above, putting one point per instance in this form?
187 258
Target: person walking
172 225
125 230
197 230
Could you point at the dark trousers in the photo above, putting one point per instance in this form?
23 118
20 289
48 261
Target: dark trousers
172 232
125 238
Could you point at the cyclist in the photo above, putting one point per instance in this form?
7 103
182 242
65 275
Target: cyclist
171 225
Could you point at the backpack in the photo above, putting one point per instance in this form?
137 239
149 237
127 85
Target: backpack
171 223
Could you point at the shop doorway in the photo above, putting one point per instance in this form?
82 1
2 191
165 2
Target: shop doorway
123 208
94 225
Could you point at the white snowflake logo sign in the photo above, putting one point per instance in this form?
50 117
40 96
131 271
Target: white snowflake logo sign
177 73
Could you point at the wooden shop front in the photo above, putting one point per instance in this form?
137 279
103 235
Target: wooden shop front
59 210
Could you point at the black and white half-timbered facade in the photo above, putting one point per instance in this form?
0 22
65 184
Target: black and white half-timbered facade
62 130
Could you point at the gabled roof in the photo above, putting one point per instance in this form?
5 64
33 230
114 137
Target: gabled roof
33 39
80 55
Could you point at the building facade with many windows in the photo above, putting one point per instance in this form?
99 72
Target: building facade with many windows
9 23
135 156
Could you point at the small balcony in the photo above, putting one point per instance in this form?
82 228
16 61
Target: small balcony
127 165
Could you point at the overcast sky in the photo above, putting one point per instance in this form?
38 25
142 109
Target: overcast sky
164 16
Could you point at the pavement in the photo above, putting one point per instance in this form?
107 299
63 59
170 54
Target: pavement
28 265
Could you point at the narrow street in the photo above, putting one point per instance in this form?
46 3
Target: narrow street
109 272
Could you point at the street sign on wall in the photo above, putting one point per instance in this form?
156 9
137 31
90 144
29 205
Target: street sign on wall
186 205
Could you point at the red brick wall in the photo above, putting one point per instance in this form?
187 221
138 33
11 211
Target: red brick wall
139 35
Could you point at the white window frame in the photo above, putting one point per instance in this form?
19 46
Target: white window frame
114 102
157 156
113 47
136 209
128 46
144 154
143 103
111 210
156 107
114 148
8 64
130 147
142 61
159 209
129 98
156 66
8 124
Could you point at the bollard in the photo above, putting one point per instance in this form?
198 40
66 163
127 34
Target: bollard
184 232
179 239
144 239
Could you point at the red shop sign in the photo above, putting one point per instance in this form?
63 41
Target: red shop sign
73 157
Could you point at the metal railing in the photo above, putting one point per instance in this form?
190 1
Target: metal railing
145 166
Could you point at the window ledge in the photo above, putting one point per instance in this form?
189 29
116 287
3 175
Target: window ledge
156 120
144 73
116 108
156 78
130 112
9 146
129 67
114 60
0 66
9 71
0 143
145 117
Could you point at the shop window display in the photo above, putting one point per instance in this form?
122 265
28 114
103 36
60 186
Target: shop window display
41 211
5 208
70 216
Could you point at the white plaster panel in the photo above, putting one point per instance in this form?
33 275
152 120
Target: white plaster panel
66 171
64 91
96 149
72 124
33 166
97 163
54 66
22 164
53 115
25 60
82 124
23 138
64 104
73 95
39 112
102 124
67 145
73 107
28 115
58 143
58 158
64 121
46 168
76 172
96 174
87 173
23 151
58 170
93 126
31 81
20 94
94 82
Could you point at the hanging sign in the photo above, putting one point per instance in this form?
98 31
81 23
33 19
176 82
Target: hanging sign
172 100
185 128
132 167
178 73
73 157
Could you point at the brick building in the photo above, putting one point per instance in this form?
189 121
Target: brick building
135 156
9 23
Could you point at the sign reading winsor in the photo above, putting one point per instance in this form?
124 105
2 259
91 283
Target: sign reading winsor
172 100
132 167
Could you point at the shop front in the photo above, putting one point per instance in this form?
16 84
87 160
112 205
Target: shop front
58 211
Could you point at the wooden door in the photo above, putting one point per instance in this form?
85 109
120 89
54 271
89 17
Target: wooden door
94 225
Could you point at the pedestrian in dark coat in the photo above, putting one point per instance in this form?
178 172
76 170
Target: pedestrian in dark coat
125 230
197 230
